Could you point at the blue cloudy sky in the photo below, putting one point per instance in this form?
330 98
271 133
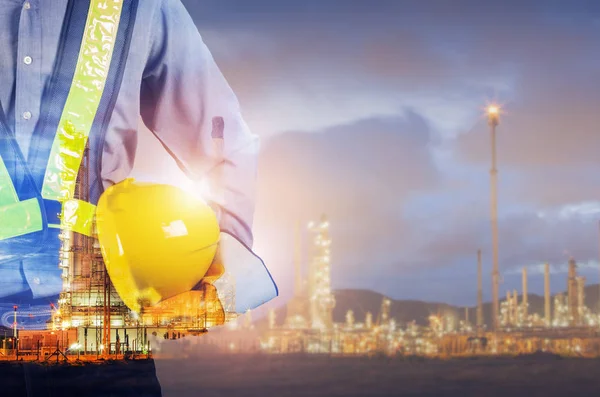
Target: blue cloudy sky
372 112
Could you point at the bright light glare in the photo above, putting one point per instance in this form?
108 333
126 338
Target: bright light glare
199 189
493 109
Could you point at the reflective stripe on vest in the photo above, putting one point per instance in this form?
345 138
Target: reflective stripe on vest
22 217
16 217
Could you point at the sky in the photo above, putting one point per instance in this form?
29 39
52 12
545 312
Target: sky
372 112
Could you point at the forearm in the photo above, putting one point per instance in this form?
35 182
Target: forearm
192 110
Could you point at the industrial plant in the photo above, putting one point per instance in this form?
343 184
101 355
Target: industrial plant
566 326
92 321
572 328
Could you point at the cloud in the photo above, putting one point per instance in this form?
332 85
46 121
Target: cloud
547 144
548 137
561 269
374 160
551 126
328 63
326 83
441 264
357 174
525 239
311 79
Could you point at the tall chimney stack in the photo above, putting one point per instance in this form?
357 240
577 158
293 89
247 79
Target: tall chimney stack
479 292
509 319
547 314
572 293
580 300
515 307
524 302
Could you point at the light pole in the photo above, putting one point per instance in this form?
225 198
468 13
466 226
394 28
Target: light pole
493 120
479 295
15 321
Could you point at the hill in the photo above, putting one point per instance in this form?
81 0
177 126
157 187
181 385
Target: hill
404 311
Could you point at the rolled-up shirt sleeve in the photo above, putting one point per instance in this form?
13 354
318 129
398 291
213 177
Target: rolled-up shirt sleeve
189 106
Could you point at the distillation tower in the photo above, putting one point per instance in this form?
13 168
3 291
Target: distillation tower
89 303
320 296
87 300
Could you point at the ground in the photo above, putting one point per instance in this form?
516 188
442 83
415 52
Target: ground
106 379
281 376
253 375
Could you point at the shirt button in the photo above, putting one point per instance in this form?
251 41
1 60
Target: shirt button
27 115
36 280
27 60
27 5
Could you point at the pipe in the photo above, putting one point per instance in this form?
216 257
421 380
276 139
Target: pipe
494 219
515 307
572 293
524 304
547 313
479 292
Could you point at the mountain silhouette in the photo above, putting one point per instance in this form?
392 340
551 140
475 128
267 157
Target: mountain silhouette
404 311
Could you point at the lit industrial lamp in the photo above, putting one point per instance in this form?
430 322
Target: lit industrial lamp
493 112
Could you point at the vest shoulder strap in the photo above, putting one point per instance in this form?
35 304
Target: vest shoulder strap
76 106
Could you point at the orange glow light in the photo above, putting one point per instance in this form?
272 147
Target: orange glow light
493 110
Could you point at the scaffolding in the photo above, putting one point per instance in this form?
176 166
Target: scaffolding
88 299
89 302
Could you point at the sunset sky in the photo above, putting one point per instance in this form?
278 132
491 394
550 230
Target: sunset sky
372 112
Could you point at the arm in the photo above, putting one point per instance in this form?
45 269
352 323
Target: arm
190 107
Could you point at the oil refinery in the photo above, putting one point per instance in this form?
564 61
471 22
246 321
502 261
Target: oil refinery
92 321
570 328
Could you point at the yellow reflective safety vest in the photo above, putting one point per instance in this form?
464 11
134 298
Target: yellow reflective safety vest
37 191
135 239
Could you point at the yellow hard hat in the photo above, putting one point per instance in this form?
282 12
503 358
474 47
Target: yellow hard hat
157 241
